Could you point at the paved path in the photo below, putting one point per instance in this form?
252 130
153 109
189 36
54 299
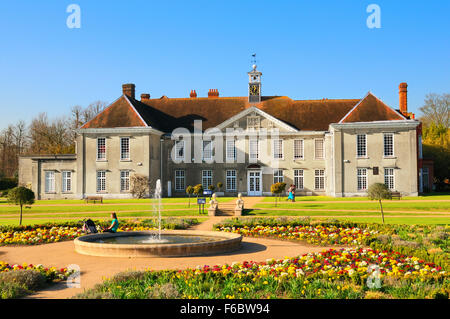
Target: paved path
95 269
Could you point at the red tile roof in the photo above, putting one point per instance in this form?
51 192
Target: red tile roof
166 113
119 114
371 109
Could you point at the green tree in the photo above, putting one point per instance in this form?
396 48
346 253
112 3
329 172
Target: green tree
211 187
379 191
21 196
277 189
219 185
189 191
436 146
198 189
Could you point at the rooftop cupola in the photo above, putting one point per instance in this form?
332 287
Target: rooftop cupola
254 85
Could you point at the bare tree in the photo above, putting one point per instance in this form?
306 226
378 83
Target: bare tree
139 186
20 136
50 137
43 136
7 151
437 109
92 110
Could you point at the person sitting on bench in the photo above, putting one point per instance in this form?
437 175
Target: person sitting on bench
114 224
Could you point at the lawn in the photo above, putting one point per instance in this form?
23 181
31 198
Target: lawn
398 220
433 196
149 201
387 205
410 262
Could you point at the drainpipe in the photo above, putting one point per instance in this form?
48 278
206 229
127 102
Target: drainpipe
161 140
83 185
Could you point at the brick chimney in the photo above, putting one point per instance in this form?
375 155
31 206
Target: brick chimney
129 89
213 93
403 95
145 96
193 94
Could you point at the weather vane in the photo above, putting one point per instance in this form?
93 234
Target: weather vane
254 58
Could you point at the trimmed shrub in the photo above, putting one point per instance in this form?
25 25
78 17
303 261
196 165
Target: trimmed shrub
165 291
28 279
11 290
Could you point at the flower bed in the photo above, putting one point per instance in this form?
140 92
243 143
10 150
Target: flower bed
329 274
51 233
39 235
19 280
319 234
50 274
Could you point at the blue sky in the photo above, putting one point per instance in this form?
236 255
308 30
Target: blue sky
305 49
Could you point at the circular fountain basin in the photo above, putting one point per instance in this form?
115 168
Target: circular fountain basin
174 243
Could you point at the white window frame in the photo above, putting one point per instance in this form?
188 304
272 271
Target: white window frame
319 178
252 152
66 181
207 150
180 180
101 187
207 174
278 176
315 148
125 180
299 149
231 180
384 145
360 148
361 178
98 148
299 178
389 178
50 183
177 149
231 149
122 153
281 149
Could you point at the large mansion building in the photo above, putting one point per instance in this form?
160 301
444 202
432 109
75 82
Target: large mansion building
335 147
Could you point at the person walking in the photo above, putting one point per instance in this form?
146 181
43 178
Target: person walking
291 193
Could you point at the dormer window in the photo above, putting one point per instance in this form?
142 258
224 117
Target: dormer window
253 122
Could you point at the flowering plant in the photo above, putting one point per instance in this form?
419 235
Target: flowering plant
342 273
319 234
50 274
51 233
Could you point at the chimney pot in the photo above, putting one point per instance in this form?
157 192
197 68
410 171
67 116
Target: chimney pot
193 94
213 93
129 89
403 97
145 96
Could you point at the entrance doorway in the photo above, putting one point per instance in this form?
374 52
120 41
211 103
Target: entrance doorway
254 183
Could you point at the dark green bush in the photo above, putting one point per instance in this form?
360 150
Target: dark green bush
7 183
28 279
11 290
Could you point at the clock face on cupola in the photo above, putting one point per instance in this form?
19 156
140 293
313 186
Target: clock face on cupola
254 86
